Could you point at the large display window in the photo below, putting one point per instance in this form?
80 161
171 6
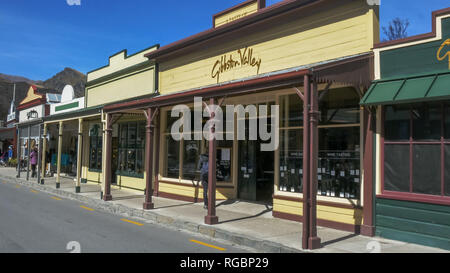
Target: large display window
181 157
95 148
131 149
416 152
338 170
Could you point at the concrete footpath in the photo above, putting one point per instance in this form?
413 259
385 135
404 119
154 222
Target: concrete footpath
243 223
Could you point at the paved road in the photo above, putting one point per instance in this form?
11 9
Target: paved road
36 222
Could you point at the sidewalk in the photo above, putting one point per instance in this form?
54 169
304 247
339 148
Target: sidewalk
242 223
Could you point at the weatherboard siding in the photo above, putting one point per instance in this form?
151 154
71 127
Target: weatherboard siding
135 84
131 182
413 222
189 191
345 30
337 214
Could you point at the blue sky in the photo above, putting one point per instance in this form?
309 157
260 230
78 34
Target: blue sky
40 38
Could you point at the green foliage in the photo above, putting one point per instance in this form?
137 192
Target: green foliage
12 162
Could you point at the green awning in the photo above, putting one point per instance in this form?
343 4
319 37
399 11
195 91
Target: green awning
408 90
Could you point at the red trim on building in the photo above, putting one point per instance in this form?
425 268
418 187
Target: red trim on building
368 227
215 91
32 103
416 197
411 196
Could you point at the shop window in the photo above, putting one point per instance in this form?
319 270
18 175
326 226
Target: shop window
291 114
339 106
447 122
396 168
223 160
397 123
95 148
131 149
190 153
172 157
339 162
430 175
291 160
338 170
427 169
426 122
447 170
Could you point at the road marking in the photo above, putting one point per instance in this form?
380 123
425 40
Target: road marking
208 245
56 198
86 208
17 186
129 221
33 191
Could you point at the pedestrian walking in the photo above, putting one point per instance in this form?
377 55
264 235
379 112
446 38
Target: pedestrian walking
203 167
33 161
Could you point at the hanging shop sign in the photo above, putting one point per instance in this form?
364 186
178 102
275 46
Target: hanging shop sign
31 113
241 58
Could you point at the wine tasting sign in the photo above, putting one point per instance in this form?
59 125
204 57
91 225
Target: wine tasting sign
242 58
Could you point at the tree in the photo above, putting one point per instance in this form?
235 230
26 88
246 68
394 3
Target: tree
396 29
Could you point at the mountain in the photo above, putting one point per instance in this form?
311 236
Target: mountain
53 85
12 79
67 76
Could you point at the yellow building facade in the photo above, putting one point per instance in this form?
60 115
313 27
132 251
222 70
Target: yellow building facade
257 55
125 77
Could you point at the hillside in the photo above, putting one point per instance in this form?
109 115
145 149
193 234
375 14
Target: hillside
53 85
67 76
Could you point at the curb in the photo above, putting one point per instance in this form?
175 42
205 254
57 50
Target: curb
167 221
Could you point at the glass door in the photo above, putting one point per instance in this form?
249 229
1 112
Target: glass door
247 172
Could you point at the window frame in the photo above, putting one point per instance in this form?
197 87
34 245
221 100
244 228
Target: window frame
203 149
126 148
277 192
441 199
98 150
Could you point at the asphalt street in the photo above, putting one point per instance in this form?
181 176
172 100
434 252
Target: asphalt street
36 222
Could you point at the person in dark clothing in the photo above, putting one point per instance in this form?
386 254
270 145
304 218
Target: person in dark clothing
203 167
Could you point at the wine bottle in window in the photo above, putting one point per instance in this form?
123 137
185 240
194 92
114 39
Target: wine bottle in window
341 187
347 187
319 187
333 188
323 189
338 187
352 188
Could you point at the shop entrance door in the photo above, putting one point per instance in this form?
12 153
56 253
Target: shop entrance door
256 172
